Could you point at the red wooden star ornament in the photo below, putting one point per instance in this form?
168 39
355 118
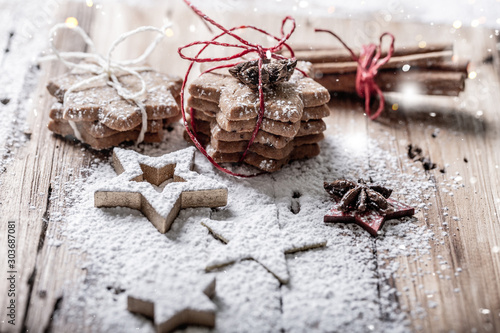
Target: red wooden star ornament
367 205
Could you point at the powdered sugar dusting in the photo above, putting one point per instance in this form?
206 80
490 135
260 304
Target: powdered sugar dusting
19 72
282 102
171 295
341 287
256 235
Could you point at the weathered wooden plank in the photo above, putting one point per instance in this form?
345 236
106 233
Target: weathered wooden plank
66 161
6 30
425 292
27 187
17 80
456 286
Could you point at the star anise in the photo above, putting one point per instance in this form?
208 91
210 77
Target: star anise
273 71
359 196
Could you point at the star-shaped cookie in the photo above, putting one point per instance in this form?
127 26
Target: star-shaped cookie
133 187
238 102
292 109
174 302
370 220
257 237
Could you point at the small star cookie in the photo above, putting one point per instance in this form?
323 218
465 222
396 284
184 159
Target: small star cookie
133 187
371 220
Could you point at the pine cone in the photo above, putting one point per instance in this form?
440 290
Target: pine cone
359 196
273 71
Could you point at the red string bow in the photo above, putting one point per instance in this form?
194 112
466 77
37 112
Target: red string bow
369 63
246 48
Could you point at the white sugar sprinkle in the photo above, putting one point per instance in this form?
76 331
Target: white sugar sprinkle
342 287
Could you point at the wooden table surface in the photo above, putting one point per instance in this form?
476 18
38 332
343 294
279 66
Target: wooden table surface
467 144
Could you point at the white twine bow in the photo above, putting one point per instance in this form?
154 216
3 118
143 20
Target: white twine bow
106 68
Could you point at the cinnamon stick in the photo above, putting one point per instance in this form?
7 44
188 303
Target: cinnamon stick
459 65
433 69
427 82
320 55
413 60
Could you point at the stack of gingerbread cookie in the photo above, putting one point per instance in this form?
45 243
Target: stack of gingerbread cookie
99 117
224 113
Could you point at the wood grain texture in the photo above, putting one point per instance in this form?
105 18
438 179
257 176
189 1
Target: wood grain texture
449 289
26 189
457 286
59 264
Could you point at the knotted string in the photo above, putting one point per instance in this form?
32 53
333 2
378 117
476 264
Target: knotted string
106 68
369 63
246 48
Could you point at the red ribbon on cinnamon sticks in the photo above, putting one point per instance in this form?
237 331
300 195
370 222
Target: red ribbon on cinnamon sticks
247 48
368 64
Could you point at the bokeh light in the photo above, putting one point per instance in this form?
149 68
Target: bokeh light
169 32
71 22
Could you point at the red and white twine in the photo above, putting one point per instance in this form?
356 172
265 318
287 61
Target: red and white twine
369 63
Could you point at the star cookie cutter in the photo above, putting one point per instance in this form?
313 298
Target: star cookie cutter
133 187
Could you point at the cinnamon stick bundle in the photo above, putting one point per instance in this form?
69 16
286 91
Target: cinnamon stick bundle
445 83
432 69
